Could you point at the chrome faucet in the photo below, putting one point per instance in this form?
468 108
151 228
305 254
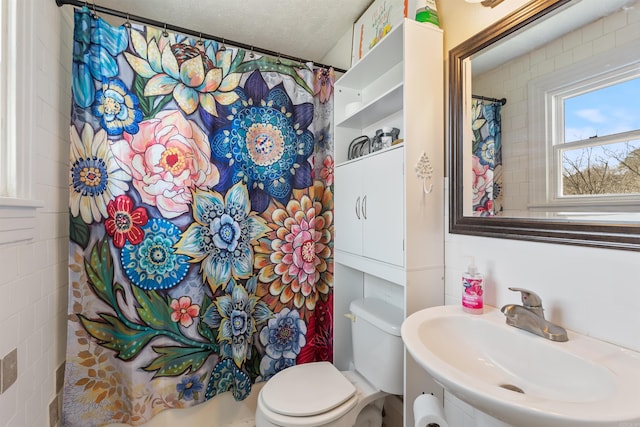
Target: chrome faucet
530 317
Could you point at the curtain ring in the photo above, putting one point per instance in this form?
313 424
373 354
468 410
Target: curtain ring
278 61
251 54
95 14
200 42
223 47
164 31
127 23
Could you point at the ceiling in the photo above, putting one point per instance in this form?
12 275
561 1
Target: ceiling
306 29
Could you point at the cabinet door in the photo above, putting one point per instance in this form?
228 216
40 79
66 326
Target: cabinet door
383 207
348 207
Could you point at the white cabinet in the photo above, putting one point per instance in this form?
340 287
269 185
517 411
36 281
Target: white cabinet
369 205
347 207
389 222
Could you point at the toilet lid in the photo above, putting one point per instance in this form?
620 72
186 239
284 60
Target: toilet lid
305 390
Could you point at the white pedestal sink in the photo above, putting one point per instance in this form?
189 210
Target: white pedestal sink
521 378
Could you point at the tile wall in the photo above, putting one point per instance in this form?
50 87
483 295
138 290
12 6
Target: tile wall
33 276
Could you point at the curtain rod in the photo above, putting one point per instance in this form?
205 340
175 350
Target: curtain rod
105 10
502 101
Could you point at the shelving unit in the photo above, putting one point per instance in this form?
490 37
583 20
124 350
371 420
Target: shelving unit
389 233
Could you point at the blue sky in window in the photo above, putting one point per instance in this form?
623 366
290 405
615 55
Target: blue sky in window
606 111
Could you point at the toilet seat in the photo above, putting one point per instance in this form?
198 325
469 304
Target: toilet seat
325 388
310 394
263 414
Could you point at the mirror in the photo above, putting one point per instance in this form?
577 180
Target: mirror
511 166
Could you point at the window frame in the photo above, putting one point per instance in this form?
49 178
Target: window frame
546 131
18 220
8 178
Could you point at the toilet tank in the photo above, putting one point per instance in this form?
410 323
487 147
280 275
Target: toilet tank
378 350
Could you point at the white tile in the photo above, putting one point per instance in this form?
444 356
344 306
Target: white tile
614 22
553 48
604 43
27 324
571 40
8 263
26 258
582 52
34 408
628 35
543 68
9 338
537 56
9 405
593 30
33 352
564 60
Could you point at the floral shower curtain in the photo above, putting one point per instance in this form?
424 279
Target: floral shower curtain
201 221
487 157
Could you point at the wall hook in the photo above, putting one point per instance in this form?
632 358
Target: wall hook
200 42
127 23
223 47
424 171
164 31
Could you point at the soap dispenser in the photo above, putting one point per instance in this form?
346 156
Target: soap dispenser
472 290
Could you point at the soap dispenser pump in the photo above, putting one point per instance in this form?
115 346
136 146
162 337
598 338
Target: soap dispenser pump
472 290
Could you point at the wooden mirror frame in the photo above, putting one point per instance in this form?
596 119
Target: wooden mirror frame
610 235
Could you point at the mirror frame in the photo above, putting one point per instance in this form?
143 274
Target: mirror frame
583 233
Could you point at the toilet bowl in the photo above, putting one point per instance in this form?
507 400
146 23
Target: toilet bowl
318 394
315 394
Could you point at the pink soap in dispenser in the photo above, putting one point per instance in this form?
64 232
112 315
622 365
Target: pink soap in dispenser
472 290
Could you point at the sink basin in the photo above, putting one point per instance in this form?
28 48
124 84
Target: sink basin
521 378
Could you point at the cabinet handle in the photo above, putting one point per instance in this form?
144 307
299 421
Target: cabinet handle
364 207
358 207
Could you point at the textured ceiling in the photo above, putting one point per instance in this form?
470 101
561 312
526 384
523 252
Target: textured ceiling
305 29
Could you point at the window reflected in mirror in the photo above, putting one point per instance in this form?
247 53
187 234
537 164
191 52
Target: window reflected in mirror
600 148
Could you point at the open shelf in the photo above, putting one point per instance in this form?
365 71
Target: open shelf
379 108
375 153
376 62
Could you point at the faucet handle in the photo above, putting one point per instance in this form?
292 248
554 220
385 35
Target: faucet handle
529 298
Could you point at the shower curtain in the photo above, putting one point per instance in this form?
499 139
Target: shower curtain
487 157
201 221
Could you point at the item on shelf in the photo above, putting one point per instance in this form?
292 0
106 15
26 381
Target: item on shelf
374 24
397 141
384 137
359 147
427 11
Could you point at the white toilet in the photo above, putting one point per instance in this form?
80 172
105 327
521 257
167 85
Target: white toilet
317 394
